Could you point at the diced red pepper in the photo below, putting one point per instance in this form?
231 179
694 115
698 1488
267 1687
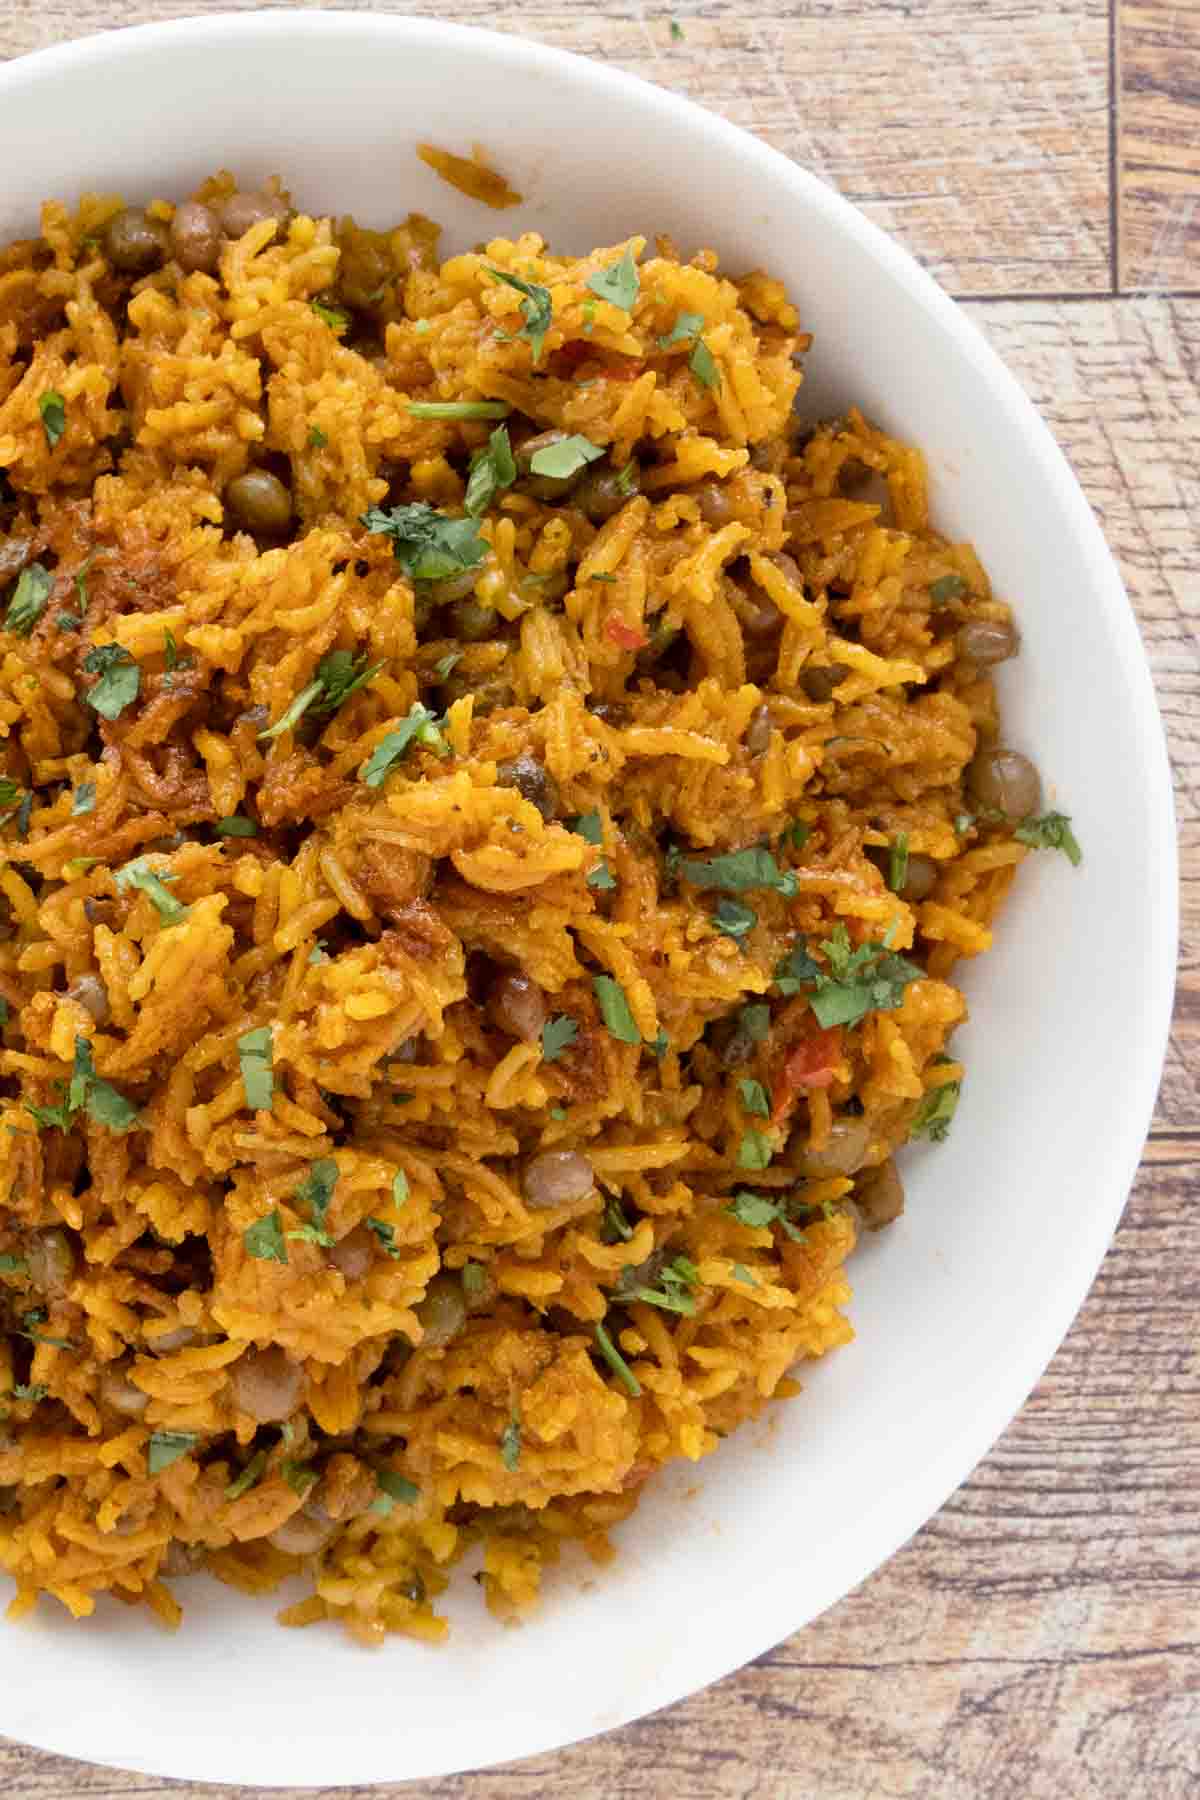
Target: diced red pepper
628 637
809 1065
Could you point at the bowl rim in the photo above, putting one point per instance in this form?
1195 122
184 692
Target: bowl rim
741 1639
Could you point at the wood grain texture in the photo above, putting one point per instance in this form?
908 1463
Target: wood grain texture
1160 144
1041 1636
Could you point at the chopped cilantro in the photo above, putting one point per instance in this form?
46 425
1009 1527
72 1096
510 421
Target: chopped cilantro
558 1113
474 1278
387 1237
797 970
12 1265
510 1442
759 1212
616 1362
947 588
10 793
299 1476
754 1098
796 834
1050 831
235 826
588 826
601 876
29 599
615 1227
338 676
898 863
755 1021
250 1476
565 458
741 1273
104 1104
394 1487
316 438
120 680
736 871
335 317
686 327
677 32
138 874
83 800
869 979
557 1034
255 1049
315 1192
626 481
733 918
35 1391
674 1294
67 621
492 469
419 727
81 575
703 365
659 1045
459 409
264 1240
444 664
427 544
614 1009
24 814
618 284
537 310
54 415
400 1181
166 1447
754 1151
936 1111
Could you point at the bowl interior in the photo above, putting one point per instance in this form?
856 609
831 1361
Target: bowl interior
959 1307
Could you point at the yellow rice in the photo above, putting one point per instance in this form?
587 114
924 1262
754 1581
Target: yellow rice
356 922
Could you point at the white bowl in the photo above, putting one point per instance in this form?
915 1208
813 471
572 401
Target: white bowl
959 1307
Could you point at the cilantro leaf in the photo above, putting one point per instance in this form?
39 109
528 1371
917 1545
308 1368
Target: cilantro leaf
869 979
557 1034
492 468
104 1103
1050 831
616 1362
588 826
565 458
386 1235
53 409
614 1009
510 1443
474 1278
537 310
754 1098
758 1212
250 1476
264 1239
615 1227
677 1279
166 1447
796 834
315 1192
427 544
255 1049
677 32
420 727
737 871
394 1487
299 1476
755 1021
734 919
235 826
338 676
754 1151
797 970
686 327
898 863
741 1273
459 409
316 438
335 317
83 800
936 1111
35 1391
619 283
947 588
601 876
12 1265
703 365
138 874
120 680
29 599
10 793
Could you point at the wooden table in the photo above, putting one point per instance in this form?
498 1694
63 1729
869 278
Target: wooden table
1039 1638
